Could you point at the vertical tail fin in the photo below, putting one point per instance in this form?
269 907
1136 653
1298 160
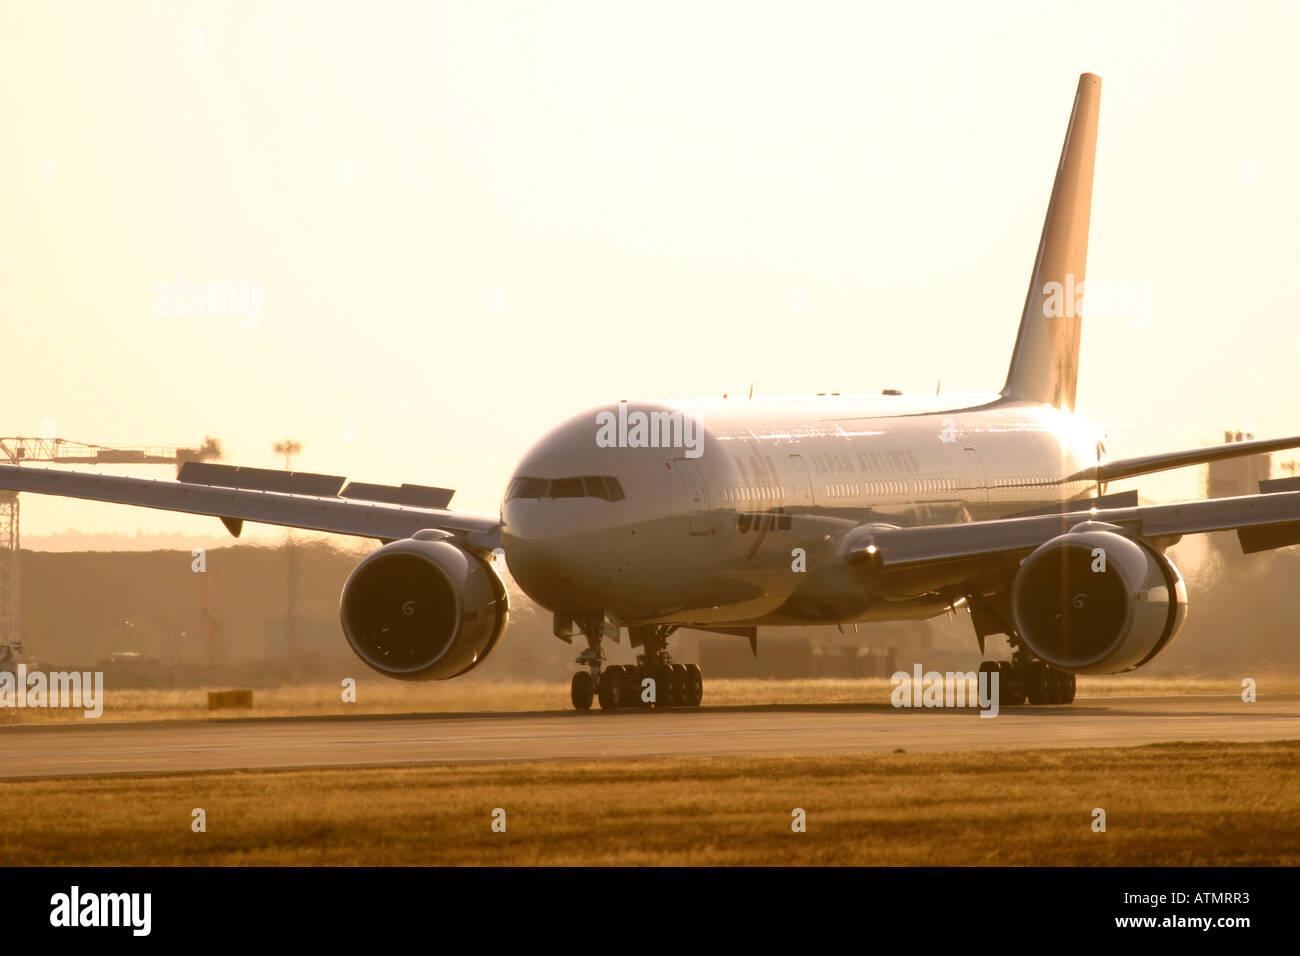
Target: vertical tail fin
1045 364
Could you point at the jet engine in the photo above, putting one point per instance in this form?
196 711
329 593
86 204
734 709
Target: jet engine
1094 601
423 608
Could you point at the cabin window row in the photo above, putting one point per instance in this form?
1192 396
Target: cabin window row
731 493
1021 481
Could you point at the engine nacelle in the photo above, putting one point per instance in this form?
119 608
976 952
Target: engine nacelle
1094 601
423 608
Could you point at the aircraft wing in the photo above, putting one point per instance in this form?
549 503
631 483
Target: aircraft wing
294 500
1147 464
1262 522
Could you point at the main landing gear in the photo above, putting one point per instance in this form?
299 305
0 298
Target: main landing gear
653 681
1023 677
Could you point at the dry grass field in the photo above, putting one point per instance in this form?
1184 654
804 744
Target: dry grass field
377 695
1185 804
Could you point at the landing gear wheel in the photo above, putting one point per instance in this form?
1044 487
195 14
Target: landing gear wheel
582 689
990 668
632 677
1011 686
611 690
694 685
681 685
662 675
1039 685
1062 687
1053 682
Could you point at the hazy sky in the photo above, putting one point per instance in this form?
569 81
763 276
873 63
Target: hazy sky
466 221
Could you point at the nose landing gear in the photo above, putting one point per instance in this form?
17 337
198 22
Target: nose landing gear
582 689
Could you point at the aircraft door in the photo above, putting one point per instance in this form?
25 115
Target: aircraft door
697 494
975 482
801 486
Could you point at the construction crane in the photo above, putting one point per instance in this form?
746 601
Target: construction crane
61 451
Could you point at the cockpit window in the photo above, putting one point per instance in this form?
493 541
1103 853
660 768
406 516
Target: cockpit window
528 488
567 488
586 486
603 486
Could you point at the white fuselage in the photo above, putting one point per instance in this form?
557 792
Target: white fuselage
739 520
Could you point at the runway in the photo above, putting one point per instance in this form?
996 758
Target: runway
99 749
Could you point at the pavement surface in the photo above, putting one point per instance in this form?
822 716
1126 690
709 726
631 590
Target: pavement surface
101 749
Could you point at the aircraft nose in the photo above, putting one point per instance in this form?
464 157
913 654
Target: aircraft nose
559 515
541 537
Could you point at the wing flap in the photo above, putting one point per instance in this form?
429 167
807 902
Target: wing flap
259 479
419 496
1269 536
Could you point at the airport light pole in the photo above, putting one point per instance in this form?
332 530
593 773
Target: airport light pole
289 448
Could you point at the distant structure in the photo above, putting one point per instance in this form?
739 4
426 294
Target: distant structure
60 451
1237 476
1231 478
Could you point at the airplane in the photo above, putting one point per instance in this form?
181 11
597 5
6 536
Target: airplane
730 515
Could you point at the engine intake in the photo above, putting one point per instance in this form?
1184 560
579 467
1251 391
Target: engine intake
423 609
1094 601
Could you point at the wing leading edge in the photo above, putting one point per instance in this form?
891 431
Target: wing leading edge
1149 464
1261 521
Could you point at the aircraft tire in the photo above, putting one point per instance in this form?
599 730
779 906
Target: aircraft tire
1039 685
694 685
1011 685
581 690
611 689
681 685
1063 686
